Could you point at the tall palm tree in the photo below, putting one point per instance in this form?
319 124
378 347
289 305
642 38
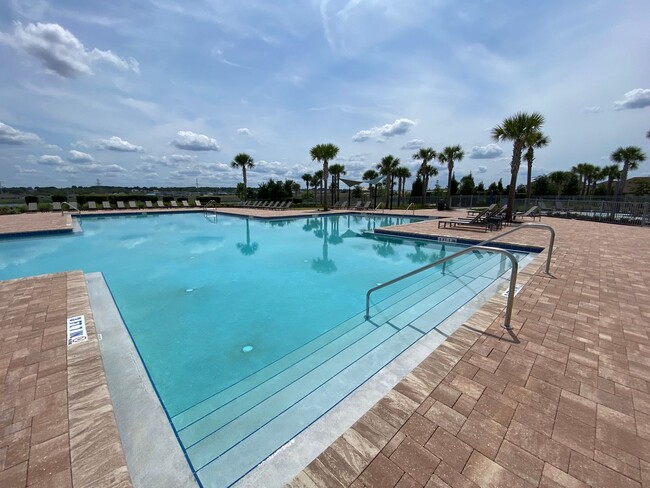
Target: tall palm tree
307 179
592 174
536 140
324 153
582 170
243 161
336 170
402 173
611 172
387 168
630 156
516 128
426 154
450 155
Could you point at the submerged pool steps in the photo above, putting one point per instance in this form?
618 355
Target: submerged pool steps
400 300
266 409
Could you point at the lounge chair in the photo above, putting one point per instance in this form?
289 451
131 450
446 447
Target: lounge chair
185 203
160 204
32 207
281 205
147 203
357 204
473 212
274 205
197 203
120 205
56 206
106 205
365 206
533 212
481 220
92 206
132 204
173 203
337 204
287 205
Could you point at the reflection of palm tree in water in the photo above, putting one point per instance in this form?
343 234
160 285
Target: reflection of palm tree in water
418 256
247 248
335 238
385 249
325 264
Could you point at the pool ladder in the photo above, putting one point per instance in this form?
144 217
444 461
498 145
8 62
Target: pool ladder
480 247
70 206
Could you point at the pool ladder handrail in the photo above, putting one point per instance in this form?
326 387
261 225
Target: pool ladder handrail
410 205
70 206
511 289
212 203
377 207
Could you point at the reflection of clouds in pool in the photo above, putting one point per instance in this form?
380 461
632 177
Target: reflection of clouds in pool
130 242
203 244
24 255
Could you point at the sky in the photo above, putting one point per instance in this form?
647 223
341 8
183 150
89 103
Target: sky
167 92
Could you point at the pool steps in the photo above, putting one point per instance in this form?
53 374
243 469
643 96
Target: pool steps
269 407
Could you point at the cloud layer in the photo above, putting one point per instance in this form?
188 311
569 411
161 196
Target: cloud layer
489 151
9 135
399 127
190 141
637 98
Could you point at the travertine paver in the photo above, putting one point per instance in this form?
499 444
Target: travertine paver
562 401
57 427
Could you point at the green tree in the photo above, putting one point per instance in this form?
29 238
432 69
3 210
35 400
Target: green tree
243 161
630 156
324 153
559 179
317 182
449 156
535 140
387 168
467 186
516 128
402 173
426 155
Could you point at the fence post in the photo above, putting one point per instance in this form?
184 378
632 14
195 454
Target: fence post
645 217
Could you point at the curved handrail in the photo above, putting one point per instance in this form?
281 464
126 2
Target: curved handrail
210 202
410 205
511 290
530 224
69 206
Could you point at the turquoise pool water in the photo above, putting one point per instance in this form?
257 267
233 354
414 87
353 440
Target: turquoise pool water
213 302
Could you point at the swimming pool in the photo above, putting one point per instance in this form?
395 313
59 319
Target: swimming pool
252 329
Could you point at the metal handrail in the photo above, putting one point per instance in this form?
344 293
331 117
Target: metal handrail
511 289
530 224
377 207
69 206
410 205
214 205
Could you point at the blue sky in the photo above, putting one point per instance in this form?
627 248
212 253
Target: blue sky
165 92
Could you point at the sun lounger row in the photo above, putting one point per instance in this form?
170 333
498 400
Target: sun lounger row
267 205
132 205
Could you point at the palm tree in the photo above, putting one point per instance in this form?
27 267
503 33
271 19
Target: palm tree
336 170
387 168
307 179
324 153
630 156
592 173
370 175
517 129
611 172
559 178
243 161
582 170
536 140
426 154
450 155
317 182
402 174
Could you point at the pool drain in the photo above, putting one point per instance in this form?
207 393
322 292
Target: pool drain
247 348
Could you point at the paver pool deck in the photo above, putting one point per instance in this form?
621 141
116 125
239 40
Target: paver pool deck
563 400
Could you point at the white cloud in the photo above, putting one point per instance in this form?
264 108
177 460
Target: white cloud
53 147
60 51
485 152
194 142
25 171
105 169
79 144
120 145
50 160
183 158
160 160
244 131
637 98
413 145
482 169
592 110
15 137
80 157
399 127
